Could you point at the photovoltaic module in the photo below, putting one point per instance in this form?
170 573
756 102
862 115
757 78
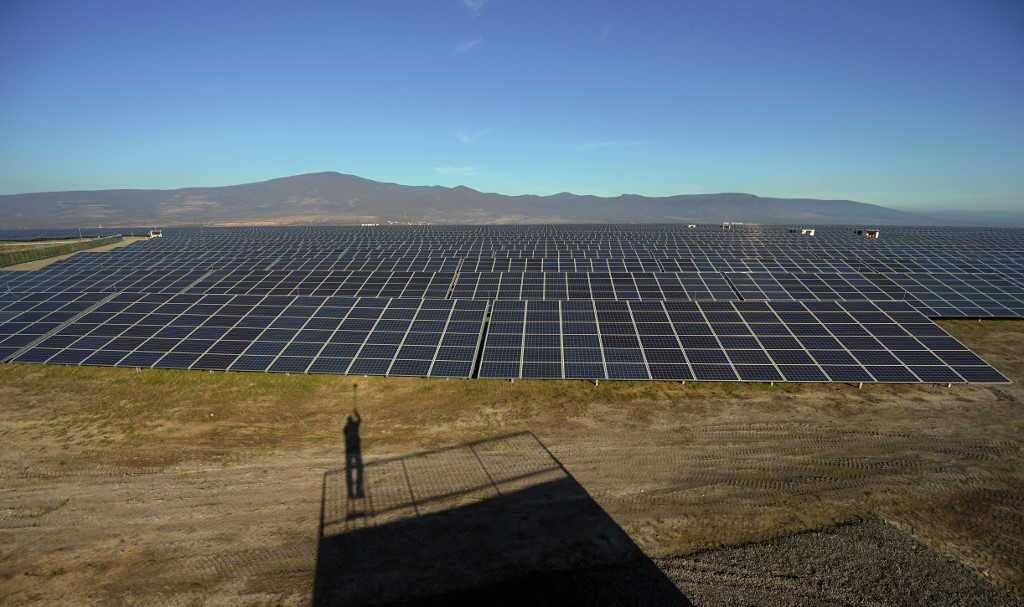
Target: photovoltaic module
633 302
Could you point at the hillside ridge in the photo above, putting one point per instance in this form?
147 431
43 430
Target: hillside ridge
339 198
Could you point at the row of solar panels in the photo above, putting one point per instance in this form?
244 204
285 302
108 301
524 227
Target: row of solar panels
551 241
712 341
682 262
68 233
283 258
925 256
142 255
422 337
942 295
725 341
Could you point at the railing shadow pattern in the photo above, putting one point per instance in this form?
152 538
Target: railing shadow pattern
494 521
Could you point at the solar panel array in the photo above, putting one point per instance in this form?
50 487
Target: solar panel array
662 302
62 233
422 337
725 341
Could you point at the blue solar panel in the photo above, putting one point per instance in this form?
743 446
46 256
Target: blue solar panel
589 302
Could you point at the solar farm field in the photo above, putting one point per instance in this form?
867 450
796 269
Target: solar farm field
835 434
611 302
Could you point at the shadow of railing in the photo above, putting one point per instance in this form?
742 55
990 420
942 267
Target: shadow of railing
495 521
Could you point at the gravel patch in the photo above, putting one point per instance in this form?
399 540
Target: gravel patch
867 563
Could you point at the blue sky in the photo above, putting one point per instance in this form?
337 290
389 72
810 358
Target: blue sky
910 104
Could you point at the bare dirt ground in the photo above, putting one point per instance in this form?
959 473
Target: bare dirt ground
188 488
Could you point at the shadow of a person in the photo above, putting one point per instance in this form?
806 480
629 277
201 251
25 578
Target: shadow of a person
353 457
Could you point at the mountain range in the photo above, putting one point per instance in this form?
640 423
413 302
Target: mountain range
336 198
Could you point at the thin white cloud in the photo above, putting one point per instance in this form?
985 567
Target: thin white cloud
450 171
468 138
475 6
604 145
468 45
606 32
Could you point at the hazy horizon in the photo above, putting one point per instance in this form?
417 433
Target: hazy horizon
913 106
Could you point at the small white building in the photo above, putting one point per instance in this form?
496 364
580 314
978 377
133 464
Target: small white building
807 232
156 234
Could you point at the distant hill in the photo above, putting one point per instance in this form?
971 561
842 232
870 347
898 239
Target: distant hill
336 198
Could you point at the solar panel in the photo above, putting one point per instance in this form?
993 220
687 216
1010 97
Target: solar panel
590 302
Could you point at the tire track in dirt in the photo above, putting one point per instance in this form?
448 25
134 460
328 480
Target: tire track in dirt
254 562
725 464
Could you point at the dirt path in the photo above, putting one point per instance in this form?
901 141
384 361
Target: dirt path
172 488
